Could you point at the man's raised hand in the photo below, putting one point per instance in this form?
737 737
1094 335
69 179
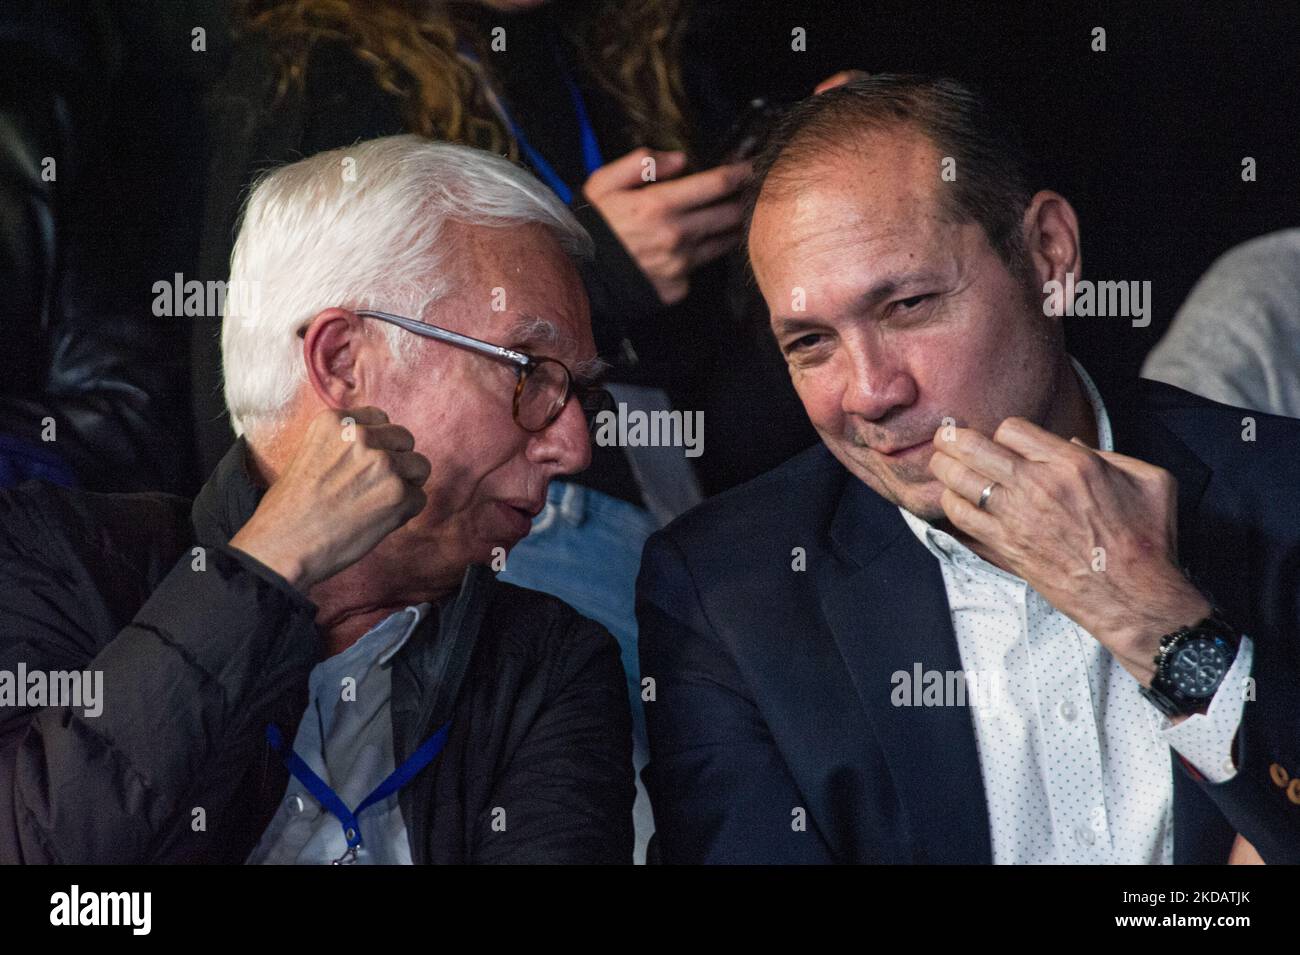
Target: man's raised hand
1094 532
353 480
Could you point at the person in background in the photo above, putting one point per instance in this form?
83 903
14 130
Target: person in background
1236 339
93 387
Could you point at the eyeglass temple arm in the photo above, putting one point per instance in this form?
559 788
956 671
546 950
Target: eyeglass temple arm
447 335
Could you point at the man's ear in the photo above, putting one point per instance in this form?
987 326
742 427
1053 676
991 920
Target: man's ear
1051 231
332 348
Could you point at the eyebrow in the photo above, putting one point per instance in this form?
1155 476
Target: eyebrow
886 287
789 326
532 331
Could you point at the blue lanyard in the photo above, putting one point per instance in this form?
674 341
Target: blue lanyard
591 157
330 800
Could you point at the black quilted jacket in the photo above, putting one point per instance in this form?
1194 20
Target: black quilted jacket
196 662
97 148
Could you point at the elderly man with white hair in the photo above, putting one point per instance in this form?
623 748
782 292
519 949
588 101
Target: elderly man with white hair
316 662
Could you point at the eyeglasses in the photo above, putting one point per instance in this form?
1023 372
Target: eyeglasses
543 386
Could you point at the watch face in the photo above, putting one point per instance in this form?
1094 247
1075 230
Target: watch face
1198 666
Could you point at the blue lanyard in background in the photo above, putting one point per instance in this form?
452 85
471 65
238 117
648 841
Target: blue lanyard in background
591 157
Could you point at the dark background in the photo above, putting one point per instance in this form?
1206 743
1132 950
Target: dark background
1145 139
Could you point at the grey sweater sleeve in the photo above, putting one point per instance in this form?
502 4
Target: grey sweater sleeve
1236 339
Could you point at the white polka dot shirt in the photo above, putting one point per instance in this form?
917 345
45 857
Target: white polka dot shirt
1075 763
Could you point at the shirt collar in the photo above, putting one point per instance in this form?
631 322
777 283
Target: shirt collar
414 616
1105 438
946 547
376 647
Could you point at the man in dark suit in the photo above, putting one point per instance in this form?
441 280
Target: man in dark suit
997 615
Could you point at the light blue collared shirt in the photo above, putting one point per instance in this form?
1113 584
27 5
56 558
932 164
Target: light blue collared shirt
346 737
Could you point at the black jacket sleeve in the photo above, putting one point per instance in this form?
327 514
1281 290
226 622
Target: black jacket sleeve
218 640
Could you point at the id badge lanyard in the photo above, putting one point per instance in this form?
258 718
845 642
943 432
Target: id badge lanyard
591 156
331 801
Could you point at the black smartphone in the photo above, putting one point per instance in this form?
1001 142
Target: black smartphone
745 137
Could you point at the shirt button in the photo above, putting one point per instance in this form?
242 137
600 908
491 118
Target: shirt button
1067 711
1084 835
295 804
1229 766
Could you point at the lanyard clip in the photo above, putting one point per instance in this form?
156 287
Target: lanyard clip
348 857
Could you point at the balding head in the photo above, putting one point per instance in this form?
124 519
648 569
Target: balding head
989 170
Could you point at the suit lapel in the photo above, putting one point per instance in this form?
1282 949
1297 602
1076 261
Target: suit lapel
885 603
1138 433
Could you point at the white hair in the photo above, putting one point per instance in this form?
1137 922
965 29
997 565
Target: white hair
358 227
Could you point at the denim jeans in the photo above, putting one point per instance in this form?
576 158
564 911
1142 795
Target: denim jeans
585 548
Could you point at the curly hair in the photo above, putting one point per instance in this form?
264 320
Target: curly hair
629 48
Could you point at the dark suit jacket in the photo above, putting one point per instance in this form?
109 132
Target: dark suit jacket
772 685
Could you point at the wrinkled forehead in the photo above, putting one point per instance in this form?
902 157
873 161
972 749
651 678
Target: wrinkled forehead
833 234
889 183
539 336
518 280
